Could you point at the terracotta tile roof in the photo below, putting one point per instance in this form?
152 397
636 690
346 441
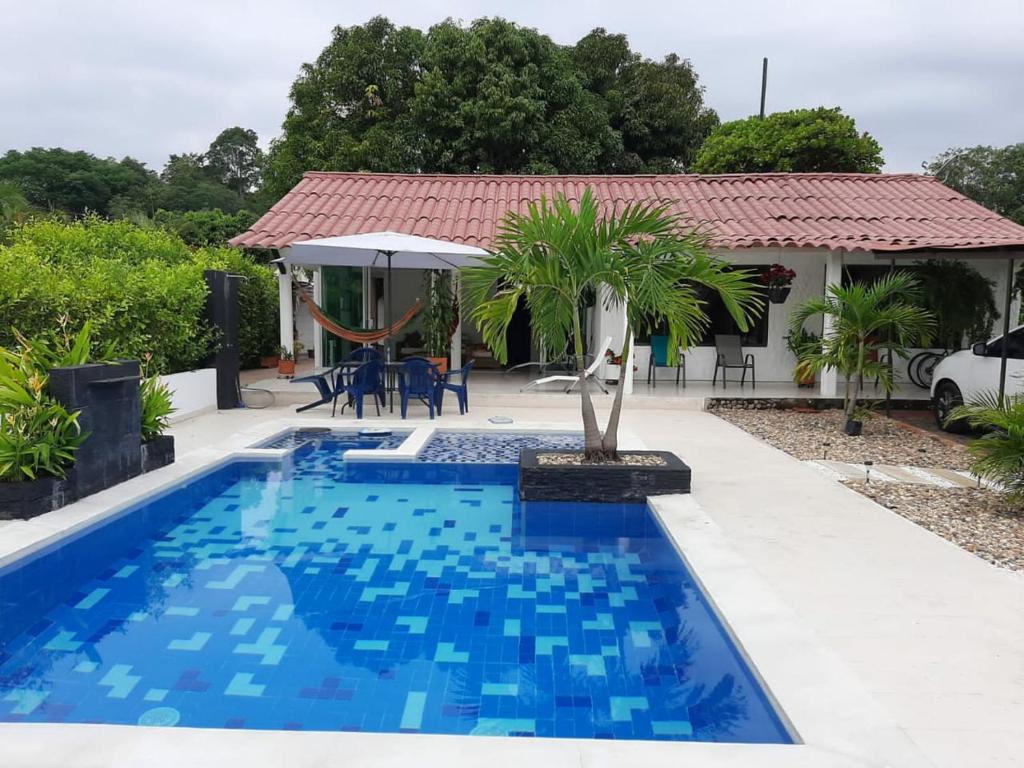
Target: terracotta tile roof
878 212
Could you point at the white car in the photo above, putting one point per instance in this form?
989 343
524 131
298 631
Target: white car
965 374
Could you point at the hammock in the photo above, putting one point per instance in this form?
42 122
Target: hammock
357 336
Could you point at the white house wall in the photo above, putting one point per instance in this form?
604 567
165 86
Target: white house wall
775 362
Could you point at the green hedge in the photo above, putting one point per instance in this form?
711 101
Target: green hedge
142 288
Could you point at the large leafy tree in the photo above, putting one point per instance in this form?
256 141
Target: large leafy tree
189 184
350 107
235 159
643 257
488 97
72 181
801 141
656 108
497 97
991 176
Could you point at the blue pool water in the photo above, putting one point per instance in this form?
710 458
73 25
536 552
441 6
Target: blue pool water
319 595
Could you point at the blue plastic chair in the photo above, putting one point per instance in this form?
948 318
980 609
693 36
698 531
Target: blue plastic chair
356 383
461 390
659 359
418 378
362 354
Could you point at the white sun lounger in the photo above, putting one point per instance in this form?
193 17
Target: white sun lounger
572 381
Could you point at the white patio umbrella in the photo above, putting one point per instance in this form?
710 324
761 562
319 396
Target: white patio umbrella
390 249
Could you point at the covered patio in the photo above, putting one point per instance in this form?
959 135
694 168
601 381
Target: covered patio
826 228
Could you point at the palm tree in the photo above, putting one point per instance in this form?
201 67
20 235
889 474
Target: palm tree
866 318
643 258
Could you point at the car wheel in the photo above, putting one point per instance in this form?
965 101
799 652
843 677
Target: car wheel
947 397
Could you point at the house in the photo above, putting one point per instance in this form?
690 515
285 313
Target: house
820 225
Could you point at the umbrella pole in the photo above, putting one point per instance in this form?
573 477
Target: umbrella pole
389 321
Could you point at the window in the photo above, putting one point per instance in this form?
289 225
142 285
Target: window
723 324
1014 350
721 321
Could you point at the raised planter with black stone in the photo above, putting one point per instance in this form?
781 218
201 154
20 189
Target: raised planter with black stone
28 498
158 452
606 482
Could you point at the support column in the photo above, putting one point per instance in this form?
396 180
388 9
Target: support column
318 336
456 340
284 298
833 276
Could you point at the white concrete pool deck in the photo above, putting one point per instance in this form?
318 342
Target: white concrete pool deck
884 644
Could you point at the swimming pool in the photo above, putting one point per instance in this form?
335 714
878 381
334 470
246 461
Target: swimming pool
317 594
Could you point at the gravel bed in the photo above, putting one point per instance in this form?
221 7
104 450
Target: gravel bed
576 459
977 520
885 441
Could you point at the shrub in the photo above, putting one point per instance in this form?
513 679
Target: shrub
141 288
999 453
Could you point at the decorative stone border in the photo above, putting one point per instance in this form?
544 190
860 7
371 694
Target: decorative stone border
610 483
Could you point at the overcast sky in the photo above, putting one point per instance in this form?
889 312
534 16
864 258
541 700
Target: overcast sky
131 77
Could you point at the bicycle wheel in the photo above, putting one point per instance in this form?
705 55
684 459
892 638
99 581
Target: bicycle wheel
926 369
912 366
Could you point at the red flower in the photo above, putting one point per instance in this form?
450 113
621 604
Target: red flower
777 276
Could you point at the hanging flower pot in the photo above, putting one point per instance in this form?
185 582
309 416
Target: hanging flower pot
779 280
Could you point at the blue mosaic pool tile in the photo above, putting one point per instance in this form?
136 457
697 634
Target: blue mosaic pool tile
244 600
492 447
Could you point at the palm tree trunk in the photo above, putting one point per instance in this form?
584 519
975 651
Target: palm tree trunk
858 381
611 434
591 432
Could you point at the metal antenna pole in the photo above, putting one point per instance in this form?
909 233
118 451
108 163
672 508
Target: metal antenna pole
764 82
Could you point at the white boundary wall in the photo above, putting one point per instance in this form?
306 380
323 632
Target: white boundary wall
192 392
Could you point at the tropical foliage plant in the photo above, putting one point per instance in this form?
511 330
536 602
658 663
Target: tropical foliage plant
155 398
439 315
999 453
963 315
643 258
867 321
38 435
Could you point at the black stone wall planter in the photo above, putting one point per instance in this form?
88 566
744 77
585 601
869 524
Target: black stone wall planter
609 483
29 498
777 294
158 452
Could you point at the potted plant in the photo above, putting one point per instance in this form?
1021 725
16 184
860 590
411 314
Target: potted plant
439 317
269 361
803 343
779 280
286 362
854 425
156 407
